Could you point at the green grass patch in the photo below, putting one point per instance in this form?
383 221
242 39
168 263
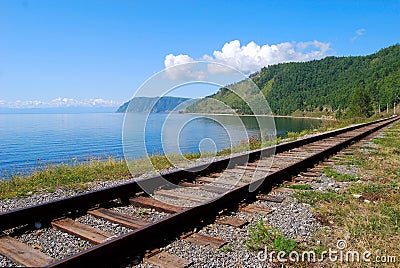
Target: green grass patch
262 235
313 197
356 159
160 162
225 248
300 187
368 188
338 176
282 243
142 212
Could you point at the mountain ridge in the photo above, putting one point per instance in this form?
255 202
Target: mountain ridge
155 104
319 85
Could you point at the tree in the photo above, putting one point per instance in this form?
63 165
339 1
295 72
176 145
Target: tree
360 103
339 114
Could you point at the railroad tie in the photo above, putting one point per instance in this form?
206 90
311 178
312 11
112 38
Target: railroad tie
271 198
181 196
289 183
316 169
266 162
166 260
84 231
302 179
215 189
257 210
23 254
253 168
116 217
223 181
257 164
283 190
205 240
188 184
148 202
278 167
233 171
311 174
232 221
325 164
289 156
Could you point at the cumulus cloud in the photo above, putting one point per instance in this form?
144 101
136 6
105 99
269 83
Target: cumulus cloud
358 33
252 57
172 60
182 68
58 102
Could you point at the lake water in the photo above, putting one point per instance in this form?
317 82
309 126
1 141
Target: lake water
29 141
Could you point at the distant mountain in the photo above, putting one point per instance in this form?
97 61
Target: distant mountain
155 105
57 110
317 85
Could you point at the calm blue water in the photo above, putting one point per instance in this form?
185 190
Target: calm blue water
29 141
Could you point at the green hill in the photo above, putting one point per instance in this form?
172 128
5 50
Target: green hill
321 85
154 105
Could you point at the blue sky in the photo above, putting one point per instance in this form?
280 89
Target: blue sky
97 52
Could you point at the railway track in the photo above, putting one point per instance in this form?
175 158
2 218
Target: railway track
210 190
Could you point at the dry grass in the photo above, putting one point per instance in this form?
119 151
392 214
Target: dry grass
64 175
76 176
371 222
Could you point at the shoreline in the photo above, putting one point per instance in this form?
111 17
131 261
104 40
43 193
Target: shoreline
267 115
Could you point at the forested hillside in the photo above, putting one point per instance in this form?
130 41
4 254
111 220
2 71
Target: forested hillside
325 84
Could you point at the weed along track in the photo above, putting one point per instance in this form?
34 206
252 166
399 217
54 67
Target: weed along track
114 225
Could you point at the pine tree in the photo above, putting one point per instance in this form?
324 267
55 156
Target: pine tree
360 103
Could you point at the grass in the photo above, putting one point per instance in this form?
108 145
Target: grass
300 187
225 248
313 197
373 222
339 176
78 176
142 212
74 177
262 235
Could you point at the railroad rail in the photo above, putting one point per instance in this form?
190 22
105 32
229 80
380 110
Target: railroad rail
220 179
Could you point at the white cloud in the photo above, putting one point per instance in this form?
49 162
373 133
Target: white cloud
252 57
57 103
172 60
359 33
182 69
